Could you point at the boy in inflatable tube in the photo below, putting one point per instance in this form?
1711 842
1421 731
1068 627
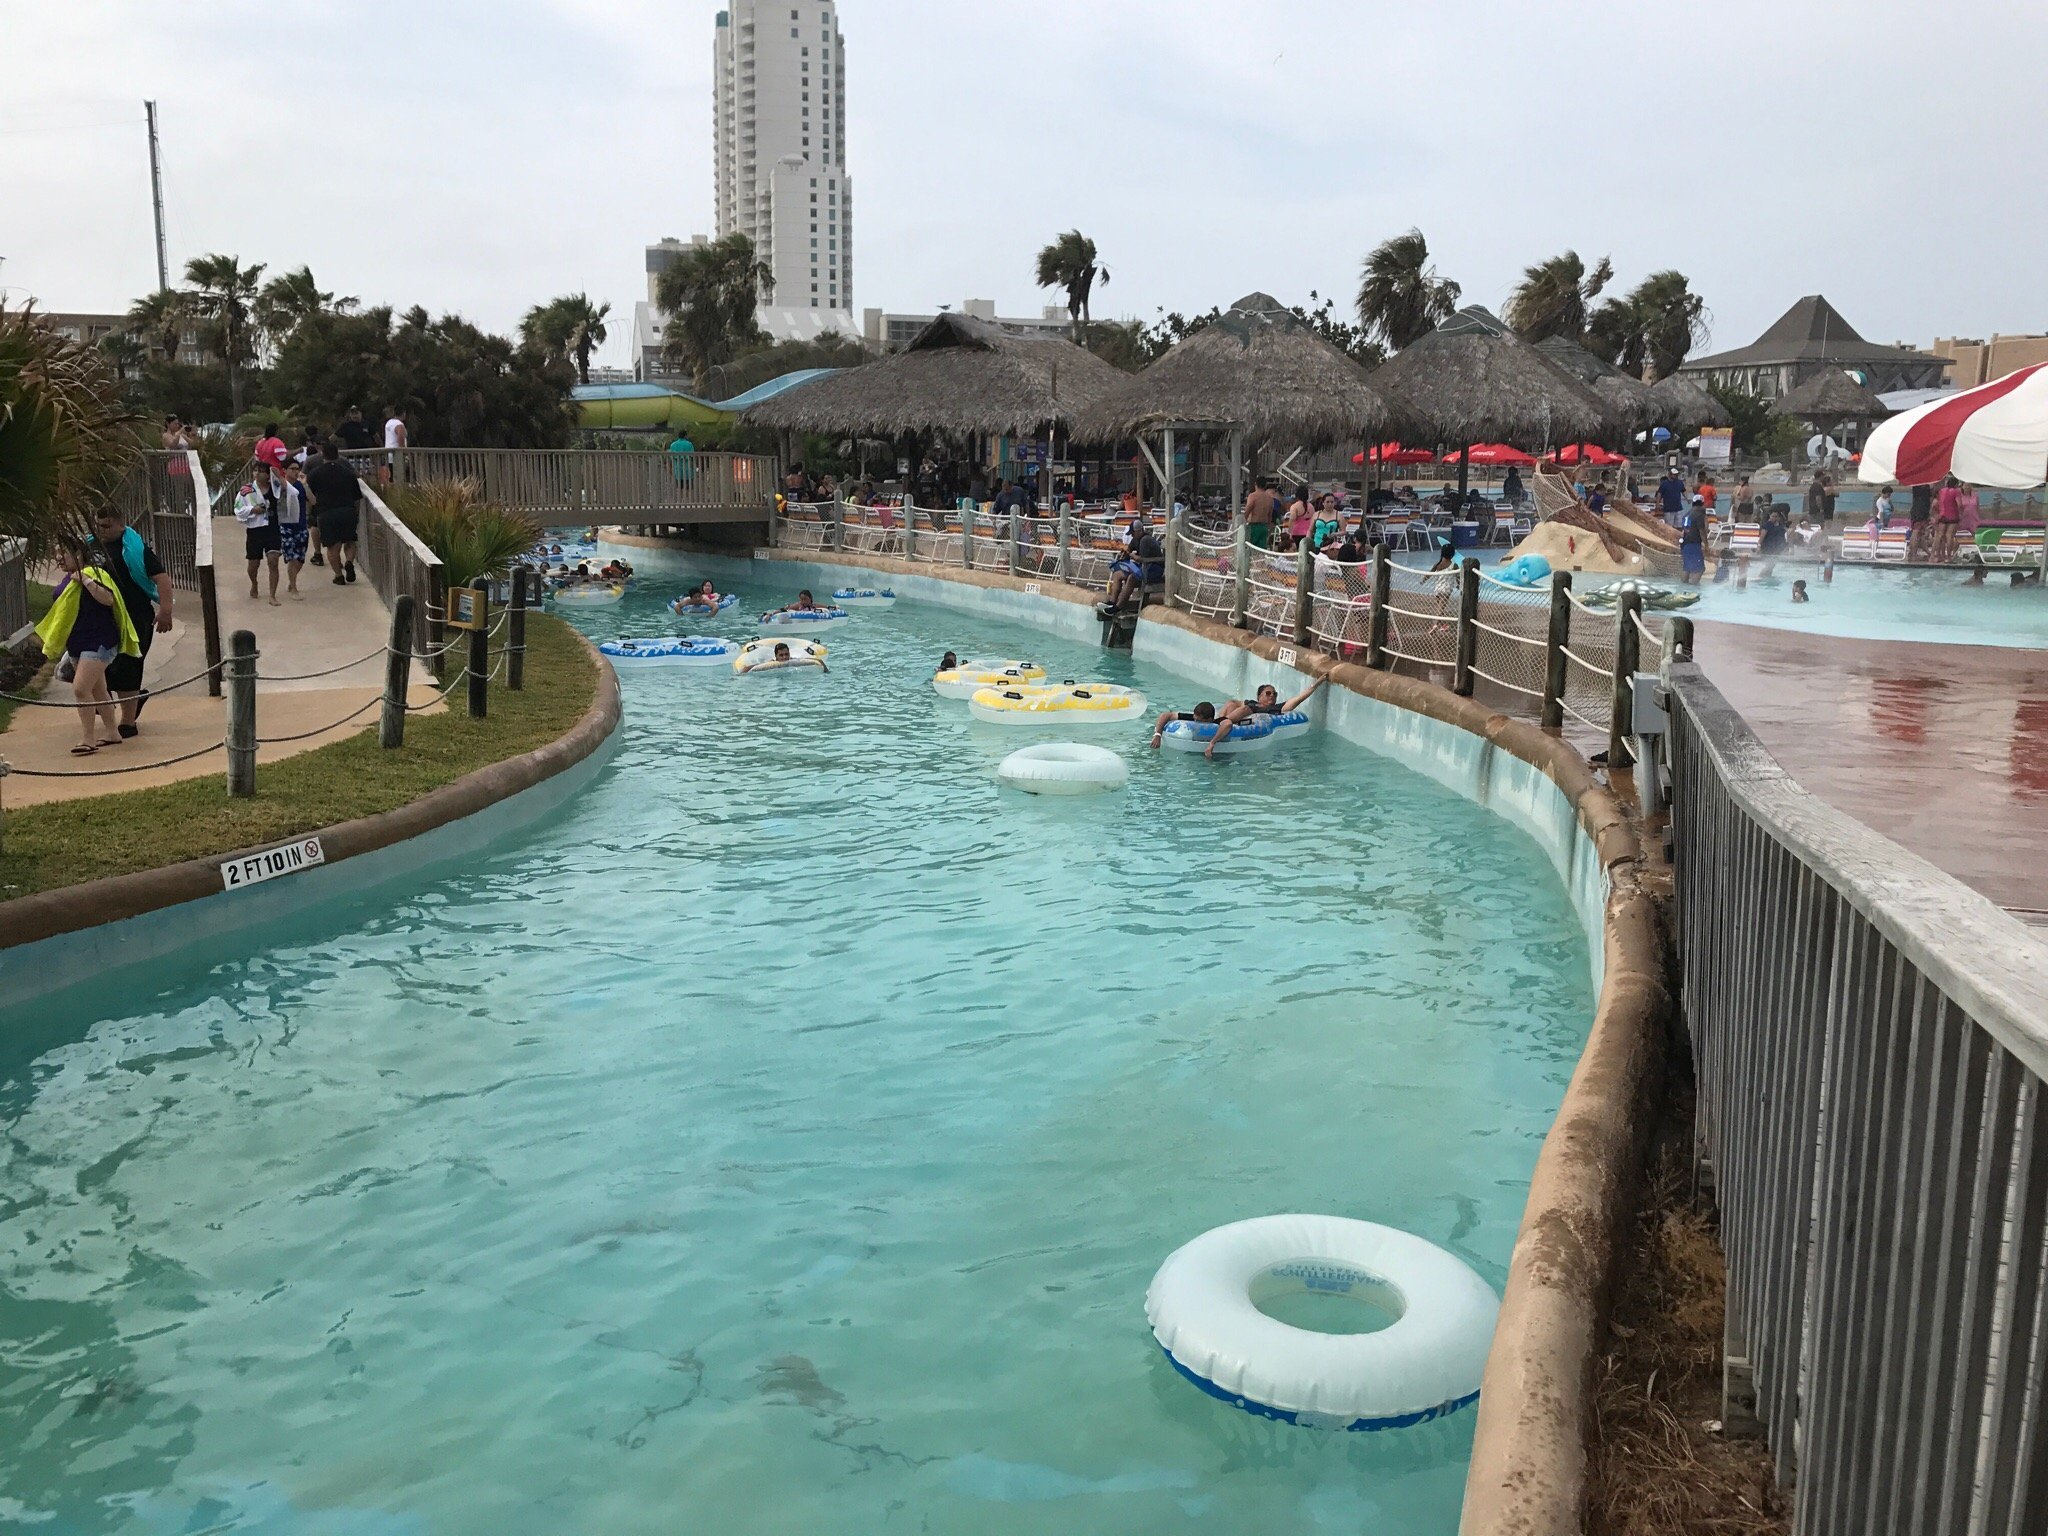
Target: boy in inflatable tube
1266 701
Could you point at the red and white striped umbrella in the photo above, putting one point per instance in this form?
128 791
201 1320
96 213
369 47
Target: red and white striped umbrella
1994 435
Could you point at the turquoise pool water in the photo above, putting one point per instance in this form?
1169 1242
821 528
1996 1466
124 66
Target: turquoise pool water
780 1139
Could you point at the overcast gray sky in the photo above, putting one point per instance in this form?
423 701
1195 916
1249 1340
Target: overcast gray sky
482 156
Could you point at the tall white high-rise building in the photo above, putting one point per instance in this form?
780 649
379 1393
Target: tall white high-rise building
780 113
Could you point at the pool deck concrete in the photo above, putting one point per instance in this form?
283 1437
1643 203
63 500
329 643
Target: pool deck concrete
1942 748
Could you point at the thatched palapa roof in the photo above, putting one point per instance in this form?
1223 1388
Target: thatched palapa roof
1680 403
957 375
1472 380
1259 367
1625 396
1831 395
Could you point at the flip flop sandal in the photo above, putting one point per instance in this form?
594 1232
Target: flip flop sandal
84 749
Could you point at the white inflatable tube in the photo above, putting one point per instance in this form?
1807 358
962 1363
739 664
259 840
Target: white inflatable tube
864 597
670 650
1253 735
1063 768
759 656
587 595
811 621
1427 1363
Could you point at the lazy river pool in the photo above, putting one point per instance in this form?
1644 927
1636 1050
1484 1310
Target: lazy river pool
778 1139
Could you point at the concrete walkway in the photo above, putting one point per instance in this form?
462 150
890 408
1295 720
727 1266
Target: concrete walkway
326 627
1942 748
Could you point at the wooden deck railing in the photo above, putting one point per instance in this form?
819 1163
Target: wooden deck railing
595 485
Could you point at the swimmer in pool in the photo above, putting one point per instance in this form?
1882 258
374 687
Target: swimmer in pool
703 596
782 650
1799 592
804 603
949 662
1203 713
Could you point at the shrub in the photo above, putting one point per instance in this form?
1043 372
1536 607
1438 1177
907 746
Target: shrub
65 436
475 539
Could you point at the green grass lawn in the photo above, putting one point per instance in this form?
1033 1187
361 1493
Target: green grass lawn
53 845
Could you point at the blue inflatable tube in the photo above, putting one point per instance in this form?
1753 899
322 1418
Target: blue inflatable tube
1253 735
685 605
671 650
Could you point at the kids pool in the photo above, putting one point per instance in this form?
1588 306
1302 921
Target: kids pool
780 1139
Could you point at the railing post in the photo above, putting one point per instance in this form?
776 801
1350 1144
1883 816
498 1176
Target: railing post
1556 663
1468 628
1241 567
1066 540
909 528
480 655
1304 590
1621 712
437 615
774 534
209 620
515 634
1678 638
397 673
1377 617
241 686
1173 542
967 538
1016 528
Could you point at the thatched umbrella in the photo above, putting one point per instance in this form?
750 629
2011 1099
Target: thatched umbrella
1627 397
1830 398
959 376
1258 374
1258 368
1682 404
1472 380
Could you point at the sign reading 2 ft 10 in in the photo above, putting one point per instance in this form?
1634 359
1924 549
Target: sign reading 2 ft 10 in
288 859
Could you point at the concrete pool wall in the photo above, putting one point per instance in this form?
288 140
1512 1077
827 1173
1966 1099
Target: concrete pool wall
1528 1472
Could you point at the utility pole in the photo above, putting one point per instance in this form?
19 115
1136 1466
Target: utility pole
156 188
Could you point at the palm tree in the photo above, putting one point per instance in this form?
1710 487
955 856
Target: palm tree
708 296
1069 263
1400 297
1554 297
224 294
570 326
292 297
124 354
1649 331
159 319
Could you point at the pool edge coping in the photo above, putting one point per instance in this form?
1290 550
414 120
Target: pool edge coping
1531 1452
43 915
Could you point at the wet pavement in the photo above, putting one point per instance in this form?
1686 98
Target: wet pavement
1942 748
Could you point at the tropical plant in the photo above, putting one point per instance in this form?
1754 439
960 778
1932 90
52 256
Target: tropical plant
1069 263
570 325
1651 329
457 386
1401 298
224 294
124 354
159 320
708 296
477 540
1553 297
291 298
65 436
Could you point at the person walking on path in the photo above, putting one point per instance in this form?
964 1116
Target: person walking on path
395 438
338 507
1948 513
145 594
256 511
1671 495
354 432
88 627
306 456
682 458
294 525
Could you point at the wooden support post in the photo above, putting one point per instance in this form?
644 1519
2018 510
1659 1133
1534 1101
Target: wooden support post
1621 713
1016 532
515 634
1377 617
1468 629
1304 590
1066 540
241 689
397 673
437 616
1556 670
1167 465
209 614
967 536
1241 574
480 656
1680 631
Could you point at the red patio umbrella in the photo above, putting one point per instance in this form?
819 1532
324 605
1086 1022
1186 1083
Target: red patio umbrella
1394 453
1491 453
1589 453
